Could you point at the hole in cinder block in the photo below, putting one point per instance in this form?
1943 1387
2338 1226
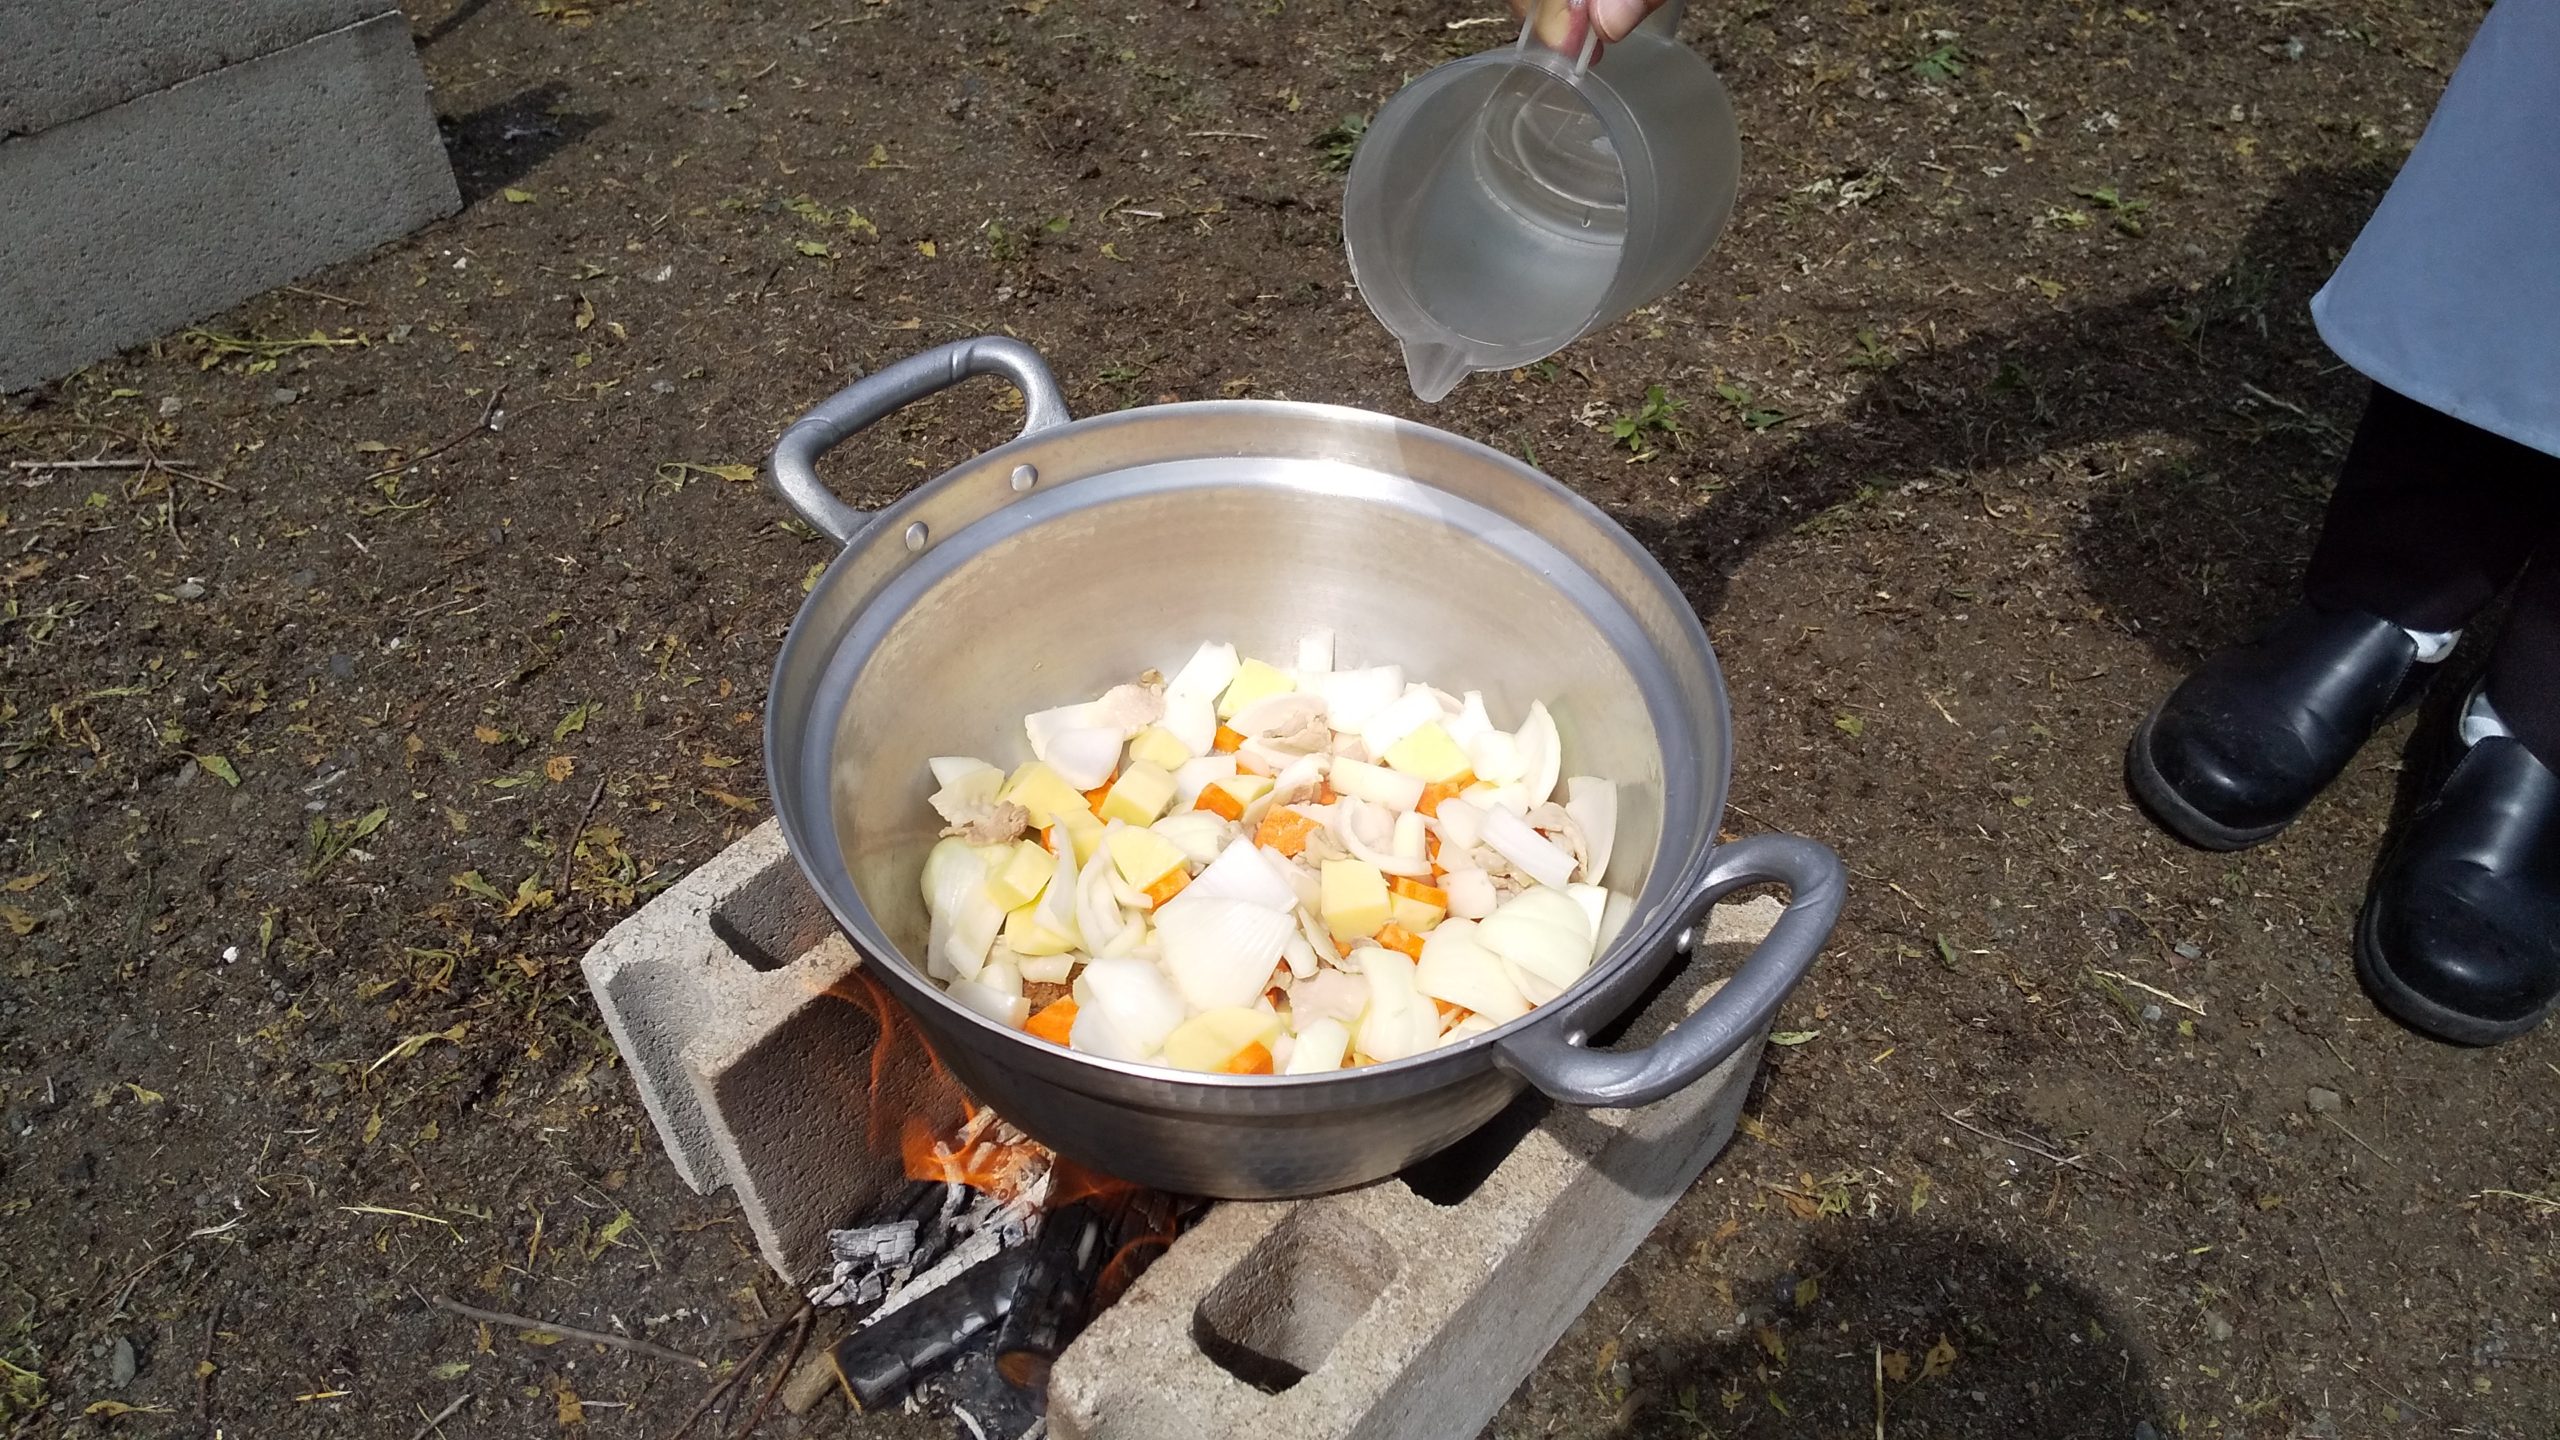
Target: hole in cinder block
1276 1316
772 919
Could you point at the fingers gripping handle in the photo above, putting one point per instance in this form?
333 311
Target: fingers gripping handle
794 468
1553 1057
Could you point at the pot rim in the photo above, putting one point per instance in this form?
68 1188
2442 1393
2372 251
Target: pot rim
894 970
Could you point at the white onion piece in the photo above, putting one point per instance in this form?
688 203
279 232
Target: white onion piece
1318 1048
1193 720
1353 698
1349 818
1450 704
1513 797
933 967
1315 656
1265 756
1220 951
1613 918
1195 775
1533 986
1198 834
1284 1047
1541 752
1142 1003
1461 824
1374 824
1545 932
1242 871
1104 925
1286 713
1300 779
1129 709
1377 784
1347 746
1045 726
1471 893
1002 973
1258 807
1048 969
1496 758
1096 1032
1470 722
1594 902
971 933
1006 1010
1409 837
1207 674
1533 854
1311 926
1593 804
1399 1021
1085 758
951 868
1416 707
948 769
1456 968
1329 995
967 797
1300 956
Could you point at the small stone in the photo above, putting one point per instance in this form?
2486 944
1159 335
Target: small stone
2145 1430
342 667
301 580
2151 1012
2217 1328
2323 1099
2188 950
191 588
283 395
662 387
171 405
122 1364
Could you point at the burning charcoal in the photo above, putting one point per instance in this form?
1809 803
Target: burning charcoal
1049 1300
881 1362
874 1258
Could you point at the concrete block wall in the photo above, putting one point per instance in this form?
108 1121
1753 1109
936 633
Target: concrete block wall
161 160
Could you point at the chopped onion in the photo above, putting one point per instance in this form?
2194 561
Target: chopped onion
1410 838
1096 1032
1243 871
1457 968
1545 932
1513 797
1129 708
965 918
1461 823
1593 804
1284 1047
1347 746
1328 995
1106 927
1284 714
1416 707
949 769
1084 758
968 797
1613 918
1057 908
1198 834
1470 722
1048 969
1315 656
1300 956
1220 951
1008 1010
1195 775
1206 674
951 868
1193 720
1302 778
1471 893
1533 986
1541 752
1142 1003
1470 1027
1045 726
1349 817
1496 758
1377 784
1002 973
1318 1048
1353 698
1533 854
1399 1021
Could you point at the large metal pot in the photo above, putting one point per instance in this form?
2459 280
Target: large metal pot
1088 550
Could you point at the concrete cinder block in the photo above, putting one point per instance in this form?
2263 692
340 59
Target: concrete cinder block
129 221
62 59
1381 1314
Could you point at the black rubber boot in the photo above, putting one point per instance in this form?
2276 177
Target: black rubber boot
2237 751
2460 935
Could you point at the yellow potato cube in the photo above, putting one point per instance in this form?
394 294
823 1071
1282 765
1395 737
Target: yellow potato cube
1028 937
1158 746
1084 829
1042 791
1213 1039
1254 681
1244 788
1018 879
1140 795
1415 915
1143 857
1352 896
1428 755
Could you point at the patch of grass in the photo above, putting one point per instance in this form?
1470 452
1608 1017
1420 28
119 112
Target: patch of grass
1747 408
1946 63
2125 212
1651 427
1871 353
1337 145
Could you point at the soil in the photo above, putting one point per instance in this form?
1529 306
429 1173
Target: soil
1999 404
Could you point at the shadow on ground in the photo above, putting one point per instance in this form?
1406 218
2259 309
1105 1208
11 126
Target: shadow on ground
1969 1337
496 145
2191 546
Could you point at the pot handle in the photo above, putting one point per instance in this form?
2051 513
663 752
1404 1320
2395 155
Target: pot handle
794 468
1554 1058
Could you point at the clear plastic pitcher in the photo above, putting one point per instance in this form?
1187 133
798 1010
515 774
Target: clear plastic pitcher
1505 205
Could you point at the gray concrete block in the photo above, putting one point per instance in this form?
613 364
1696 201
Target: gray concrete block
1387 1315
159 211
62 59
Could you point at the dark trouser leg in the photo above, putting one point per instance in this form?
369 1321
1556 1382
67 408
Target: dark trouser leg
2431 518
2524 669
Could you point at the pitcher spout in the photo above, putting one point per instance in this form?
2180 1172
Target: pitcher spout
1434 369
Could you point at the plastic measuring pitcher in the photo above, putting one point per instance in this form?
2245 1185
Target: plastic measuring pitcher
1505 205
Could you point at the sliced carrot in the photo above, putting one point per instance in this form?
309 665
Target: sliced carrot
1094 797
1449 1014
1053 1021
1437 791
1326 794
1254 1059
1397 938
1228 741
1219 803
1284 830
1049 838
1166 887
1412 889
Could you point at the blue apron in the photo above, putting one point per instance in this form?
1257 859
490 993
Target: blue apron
2451 294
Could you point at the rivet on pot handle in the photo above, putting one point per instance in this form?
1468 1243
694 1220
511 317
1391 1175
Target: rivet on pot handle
794 471
1552 1056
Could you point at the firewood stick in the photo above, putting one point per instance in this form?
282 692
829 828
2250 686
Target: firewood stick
568 1332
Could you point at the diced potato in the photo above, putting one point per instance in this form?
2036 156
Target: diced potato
1017 879
1429 755
1140 794
1321 1046
1254 681
1353 899
1417 916
1246 788
1084 828
1143 857
1043 792
1024 932
1212 1038
1159 747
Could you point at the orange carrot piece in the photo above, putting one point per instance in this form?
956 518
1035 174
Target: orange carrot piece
1053 1021
1094 797
1228 741
1325 793
1412 889
1049 838
1450 1014
1219 803
1434 793
1284 830
1166 887
1254 1059
1397 938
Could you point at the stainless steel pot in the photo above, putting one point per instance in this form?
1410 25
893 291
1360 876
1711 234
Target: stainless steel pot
1088 550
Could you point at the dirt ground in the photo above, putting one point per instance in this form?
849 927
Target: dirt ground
1998 404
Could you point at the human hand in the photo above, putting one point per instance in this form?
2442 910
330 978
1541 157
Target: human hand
1563 25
